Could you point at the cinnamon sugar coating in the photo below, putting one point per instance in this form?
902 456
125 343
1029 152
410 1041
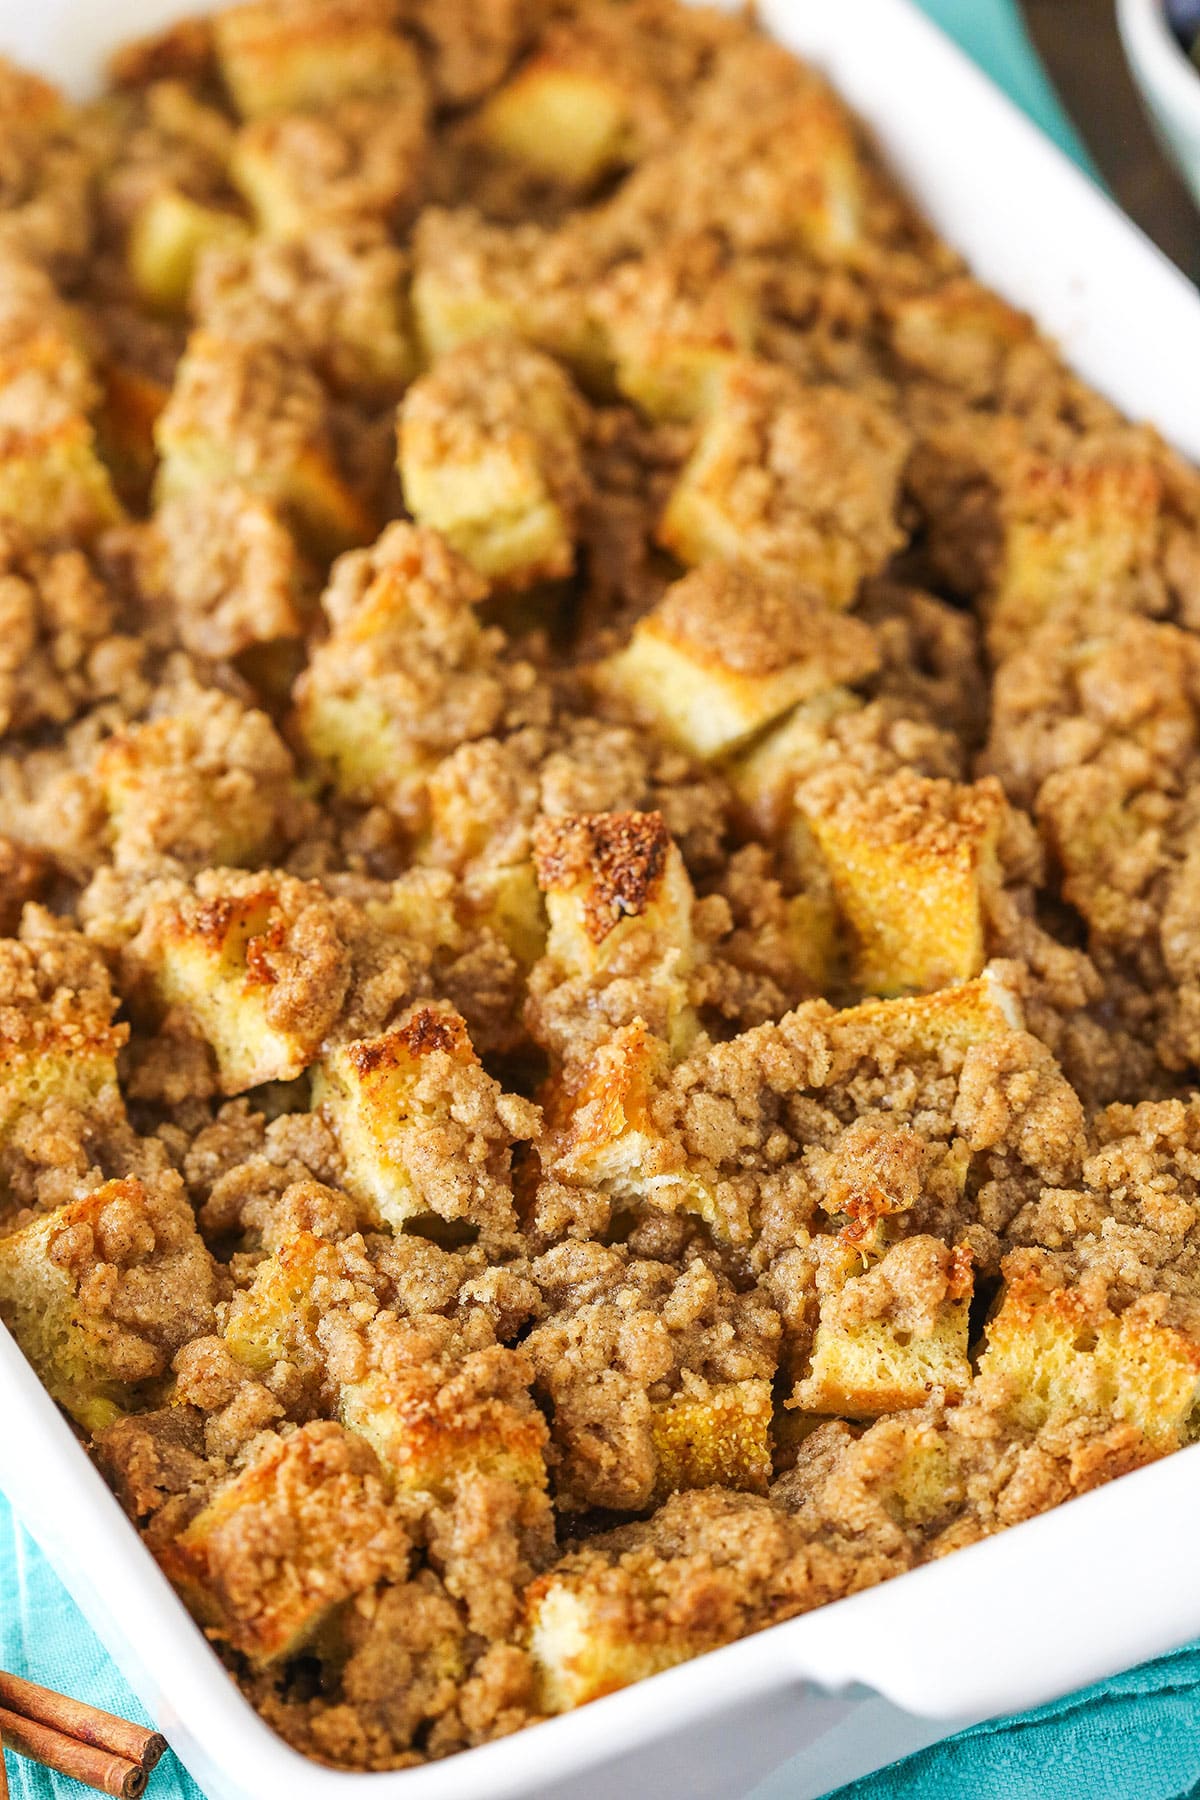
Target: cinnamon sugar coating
599 855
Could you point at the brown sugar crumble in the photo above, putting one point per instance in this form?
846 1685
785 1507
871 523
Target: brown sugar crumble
599 855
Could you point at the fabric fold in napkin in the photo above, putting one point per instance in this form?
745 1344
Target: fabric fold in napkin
1132 1736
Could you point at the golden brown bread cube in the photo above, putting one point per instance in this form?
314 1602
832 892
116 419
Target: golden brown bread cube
275 1318
167 239
102 1291
360 161
1081 533
421 1126
47 211
439 1412
334 296
490 457
607 1136
945 1023
728 650
619 905
966 337
473 278
911 861
224 567
767 159
251 415
210 781
892 1329
291 1537
721 1438
1056 1349
406 673
708 1567
590 100
249 964
52 481
675 322
799 481
278 56
615 1121
613 1319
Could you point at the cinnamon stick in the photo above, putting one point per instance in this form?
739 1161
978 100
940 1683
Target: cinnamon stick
95 1767
87 1723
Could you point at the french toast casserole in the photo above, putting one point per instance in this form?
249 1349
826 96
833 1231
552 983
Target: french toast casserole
601 855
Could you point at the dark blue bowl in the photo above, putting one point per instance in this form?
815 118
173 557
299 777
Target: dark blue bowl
1183 16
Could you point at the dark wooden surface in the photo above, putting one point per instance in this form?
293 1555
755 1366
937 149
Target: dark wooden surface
1080 47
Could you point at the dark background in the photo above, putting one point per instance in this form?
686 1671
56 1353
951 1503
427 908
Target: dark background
1079 45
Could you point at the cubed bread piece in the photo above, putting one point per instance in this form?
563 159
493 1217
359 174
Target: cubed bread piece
1055 1350
962 335
52 481
706 1568
911 861
490 457
607 876
506 897
619 903
101 1292
57 1041
158 139
362 160
253 965
606 1136
437 1411
592 99
252 415
1080 533
728 649
475 279
942 1025
676 320
167 238
766 775
721 1438
658 1378
421 1126
802 481
306 1525
278 56
768 160
406 674
581 1641
275 1319
809 154
209 782
334 296
892 1331
570 125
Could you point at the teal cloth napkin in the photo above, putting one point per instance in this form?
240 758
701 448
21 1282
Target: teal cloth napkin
1128 1739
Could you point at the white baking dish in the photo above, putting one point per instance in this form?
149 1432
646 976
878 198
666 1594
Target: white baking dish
1101 1583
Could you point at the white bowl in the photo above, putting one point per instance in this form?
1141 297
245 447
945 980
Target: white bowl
1169 83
